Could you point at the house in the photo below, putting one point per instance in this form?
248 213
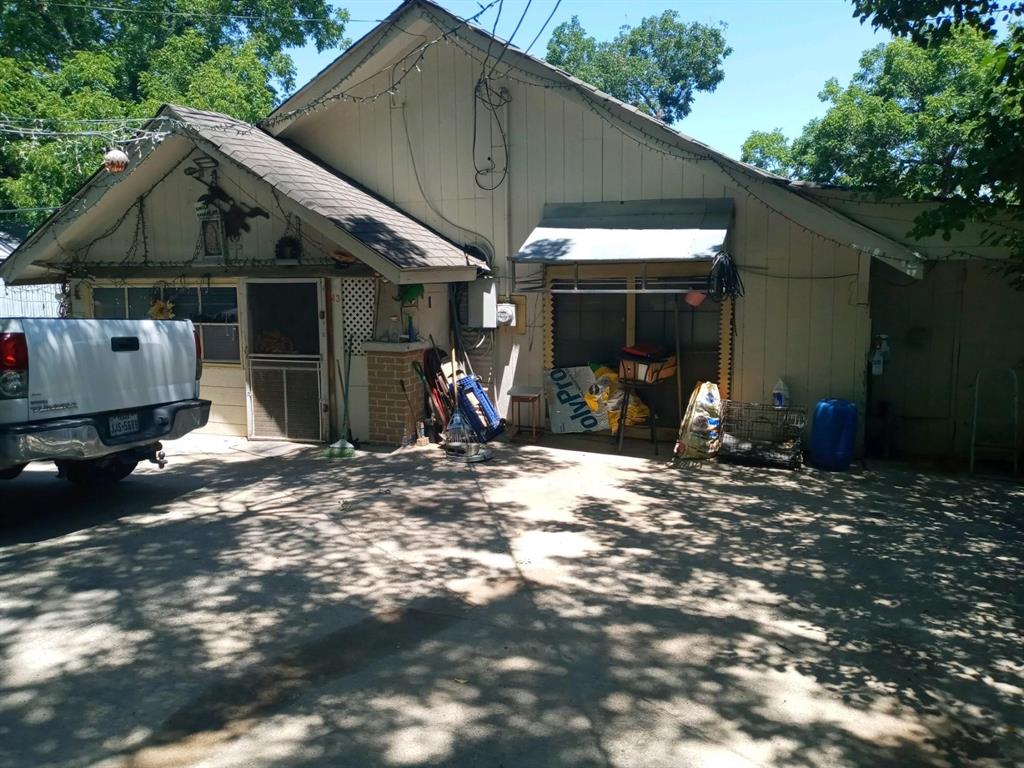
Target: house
430 169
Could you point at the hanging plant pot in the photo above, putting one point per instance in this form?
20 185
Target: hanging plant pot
695 298
288 250
115 160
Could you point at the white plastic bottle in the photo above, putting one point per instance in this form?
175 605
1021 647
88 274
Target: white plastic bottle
780 395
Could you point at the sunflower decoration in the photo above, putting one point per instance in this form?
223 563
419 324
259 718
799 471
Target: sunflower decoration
161 309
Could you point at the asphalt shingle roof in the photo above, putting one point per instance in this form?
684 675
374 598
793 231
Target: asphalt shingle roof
397 237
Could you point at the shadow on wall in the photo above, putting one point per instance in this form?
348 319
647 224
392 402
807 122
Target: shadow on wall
538 610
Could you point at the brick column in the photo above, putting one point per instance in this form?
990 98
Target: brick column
387 366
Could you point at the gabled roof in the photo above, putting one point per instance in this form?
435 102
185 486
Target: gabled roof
400 243
400 239
774 191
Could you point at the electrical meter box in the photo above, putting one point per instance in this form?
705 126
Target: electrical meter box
482 299
507 315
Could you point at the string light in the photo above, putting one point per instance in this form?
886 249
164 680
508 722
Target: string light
492 99
417 55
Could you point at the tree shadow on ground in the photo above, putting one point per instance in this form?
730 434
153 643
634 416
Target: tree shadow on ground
549 608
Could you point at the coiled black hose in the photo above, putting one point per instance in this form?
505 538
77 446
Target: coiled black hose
724 279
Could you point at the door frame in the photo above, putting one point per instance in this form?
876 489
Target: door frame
321 310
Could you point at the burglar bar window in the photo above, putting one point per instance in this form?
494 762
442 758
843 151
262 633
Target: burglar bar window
213 311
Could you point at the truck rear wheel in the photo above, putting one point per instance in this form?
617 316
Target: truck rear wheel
9 473
94 473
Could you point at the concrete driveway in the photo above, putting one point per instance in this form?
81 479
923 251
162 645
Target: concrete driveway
259 606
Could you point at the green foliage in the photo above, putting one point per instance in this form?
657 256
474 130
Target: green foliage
232 79
130 31
989 182
37 173
65 65
899 127
656 66
769 150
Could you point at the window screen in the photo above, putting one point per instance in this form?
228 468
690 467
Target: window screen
186 302
214 311
108 303
589 328
139 302
219 305
283 318
220 342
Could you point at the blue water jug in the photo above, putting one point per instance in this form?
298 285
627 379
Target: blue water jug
833 434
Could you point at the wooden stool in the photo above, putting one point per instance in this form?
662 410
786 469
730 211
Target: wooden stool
630 388
532 397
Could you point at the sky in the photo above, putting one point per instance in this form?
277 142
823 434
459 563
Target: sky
783 52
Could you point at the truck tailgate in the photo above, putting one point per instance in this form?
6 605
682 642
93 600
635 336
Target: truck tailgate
91 366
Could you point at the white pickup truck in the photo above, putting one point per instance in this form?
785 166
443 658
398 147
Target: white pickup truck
96 396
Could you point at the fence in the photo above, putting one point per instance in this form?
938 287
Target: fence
29 301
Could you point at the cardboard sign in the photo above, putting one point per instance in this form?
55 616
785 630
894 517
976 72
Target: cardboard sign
567 410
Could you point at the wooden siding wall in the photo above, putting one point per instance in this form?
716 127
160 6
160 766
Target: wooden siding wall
961 318
805 317
172 228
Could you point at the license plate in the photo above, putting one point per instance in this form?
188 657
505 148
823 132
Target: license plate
124 424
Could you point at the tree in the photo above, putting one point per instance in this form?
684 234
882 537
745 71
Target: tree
936 121
46 34
769 150
898 127
991 182
656 66
83 69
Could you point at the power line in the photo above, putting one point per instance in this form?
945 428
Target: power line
511 37
543 27
84 120
417 55
204 14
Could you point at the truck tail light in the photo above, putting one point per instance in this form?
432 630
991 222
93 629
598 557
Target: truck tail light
199 354
13 366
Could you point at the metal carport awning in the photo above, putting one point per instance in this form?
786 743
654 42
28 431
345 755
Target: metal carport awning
632 236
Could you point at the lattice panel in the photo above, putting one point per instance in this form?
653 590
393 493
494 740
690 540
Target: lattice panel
358 309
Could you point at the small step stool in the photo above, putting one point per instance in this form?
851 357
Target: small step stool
531 396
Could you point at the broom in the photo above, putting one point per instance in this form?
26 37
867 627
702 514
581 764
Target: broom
343 449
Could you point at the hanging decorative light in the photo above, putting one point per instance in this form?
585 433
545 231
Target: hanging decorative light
115 160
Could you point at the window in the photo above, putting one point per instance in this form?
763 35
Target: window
214 312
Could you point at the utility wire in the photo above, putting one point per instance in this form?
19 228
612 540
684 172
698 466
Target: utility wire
511 38
203 14
543 27
490 40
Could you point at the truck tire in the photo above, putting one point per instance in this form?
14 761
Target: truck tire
9 473
95 473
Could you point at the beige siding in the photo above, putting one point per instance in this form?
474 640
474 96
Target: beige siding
172 228
224 386
937 351
803 319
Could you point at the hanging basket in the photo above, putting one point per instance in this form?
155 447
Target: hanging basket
288 250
